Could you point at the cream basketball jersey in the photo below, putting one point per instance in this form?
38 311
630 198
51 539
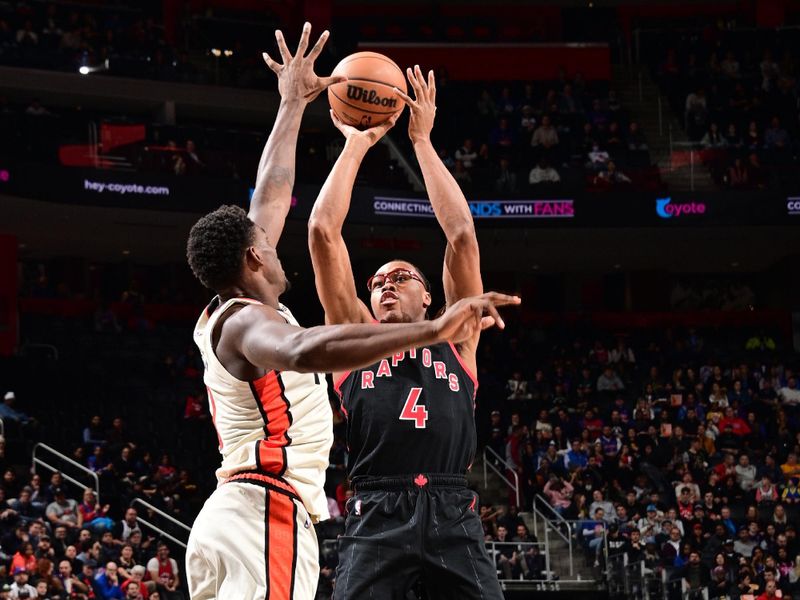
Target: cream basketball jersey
280 424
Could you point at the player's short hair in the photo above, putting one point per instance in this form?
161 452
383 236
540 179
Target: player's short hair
216 246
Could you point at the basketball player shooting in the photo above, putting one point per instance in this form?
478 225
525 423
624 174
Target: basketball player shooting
254 537
410 416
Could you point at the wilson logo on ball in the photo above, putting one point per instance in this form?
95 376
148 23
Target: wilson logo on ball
359 94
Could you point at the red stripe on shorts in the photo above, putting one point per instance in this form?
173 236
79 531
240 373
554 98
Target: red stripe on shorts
281 546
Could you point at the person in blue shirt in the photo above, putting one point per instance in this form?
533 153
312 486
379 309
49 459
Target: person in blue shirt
575 458
109 583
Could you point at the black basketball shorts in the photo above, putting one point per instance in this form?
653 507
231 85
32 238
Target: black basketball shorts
414 531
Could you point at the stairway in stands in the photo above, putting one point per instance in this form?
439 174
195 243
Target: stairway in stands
585 576
640 94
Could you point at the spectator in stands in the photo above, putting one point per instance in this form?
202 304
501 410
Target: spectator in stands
611 175
93 434
696 113
543 172
462 176
776 137
506 182
109 583
527 123
9 413
64 511
26 36
161 564
502 136
20 588
69 582
24 559
194 164
789 395
770 72
609 381
738 175
766 491
133 591
559 493
713 139
791 492
730 66
517 387
695 574
545 136
467 154
136 579
126 527
35 109
636 139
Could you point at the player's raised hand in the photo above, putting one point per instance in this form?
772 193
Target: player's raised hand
370 136
423 106
296 77
466 318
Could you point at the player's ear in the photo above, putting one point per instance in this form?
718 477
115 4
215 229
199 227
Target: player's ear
252 258
426 299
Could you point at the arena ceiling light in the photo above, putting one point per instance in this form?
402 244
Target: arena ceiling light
86 69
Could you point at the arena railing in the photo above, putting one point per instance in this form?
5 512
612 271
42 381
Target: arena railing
41 447
552 520
508 466
521 548
162 532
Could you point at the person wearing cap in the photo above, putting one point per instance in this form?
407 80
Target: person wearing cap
9 413
44 549
86 577
5 592
651 521
63 510
21 585
744 544
701 518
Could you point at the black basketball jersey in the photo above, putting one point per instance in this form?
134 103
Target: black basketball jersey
411 413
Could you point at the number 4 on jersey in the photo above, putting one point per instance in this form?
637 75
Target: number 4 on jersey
413 411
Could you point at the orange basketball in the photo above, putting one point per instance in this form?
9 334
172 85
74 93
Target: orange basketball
367 98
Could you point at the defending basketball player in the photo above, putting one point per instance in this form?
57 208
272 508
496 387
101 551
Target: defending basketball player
410 416
254 537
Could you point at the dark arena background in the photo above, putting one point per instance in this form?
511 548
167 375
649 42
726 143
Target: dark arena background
632 167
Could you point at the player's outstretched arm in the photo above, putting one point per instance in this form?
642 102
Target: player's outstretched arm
462 274
264 339
332 270
298 85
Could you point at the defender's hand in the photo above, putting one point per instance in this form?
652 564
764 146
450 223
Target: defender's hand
423 108
368 137
464 319
296 77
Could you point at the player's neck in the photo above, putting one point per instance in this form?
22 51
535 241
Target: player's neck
264 294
